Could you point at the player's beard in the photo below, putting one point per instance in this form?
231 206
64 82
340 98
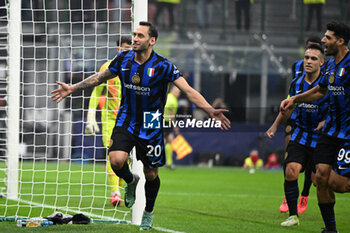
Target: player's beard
332 50
142 47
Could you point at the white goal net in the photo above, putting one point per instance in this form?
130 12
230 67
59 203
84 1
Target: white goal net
47 163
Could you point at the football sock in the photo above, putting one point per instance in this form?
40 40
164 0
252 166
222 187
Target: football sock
151 190
124 173
291 192
307 184
327 212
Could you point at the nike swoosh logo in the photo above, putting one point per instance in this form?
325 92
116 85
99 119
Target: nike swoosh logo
125 69
298 72
298 92
342 168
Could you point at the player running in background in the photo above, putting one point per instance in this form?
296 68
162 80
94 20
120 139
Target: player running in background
336 131
145 77
112 90
170 111
304 134
297 72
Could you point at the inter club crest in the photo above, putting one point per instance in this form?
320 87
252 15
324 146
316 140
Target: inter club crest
136 79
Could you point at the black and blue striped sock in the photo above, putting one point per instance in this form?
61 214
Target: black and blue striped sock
327 212
151 190
291 190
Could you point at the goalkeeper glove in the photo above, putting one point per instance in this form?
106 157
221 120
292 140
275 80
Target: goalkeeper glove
92 126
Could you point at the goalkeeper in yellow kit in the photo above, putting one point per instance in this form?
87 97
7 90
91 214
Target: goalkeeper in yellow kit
112 90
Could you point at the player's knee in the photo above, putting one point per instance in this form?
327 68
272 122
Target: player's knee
150 174
321 177
292 172
116 164
116 161
151 177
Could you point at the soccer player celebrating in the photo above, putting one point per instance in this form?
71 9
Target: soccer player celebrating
304 134
297 72
336 131
145 77
108 116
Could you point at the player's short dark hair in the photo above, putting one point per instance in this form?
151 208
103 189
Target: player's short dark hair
314 39
152 30
341 30
315 46
124 39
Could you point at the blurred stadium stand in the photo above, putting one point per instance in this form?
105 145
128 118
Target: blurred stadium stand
280 21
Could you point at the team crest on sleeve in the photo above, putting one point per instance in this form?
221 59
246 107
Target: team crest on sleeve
150 72
288 128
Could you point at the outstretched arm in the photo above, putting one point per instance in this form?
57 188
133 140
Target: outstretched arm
94 80
280 119
196 98
313 94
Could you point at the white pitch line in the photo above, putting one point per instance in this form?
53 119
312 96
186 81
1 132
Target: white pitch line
167 230
236 195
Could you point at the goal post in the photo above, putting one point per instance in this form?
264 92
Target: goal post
14 51
139 14
49 163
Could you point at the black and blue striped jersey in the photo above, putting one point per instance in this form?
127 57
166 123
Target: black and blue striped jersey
298 69
307 115
144 92
297 72
337 80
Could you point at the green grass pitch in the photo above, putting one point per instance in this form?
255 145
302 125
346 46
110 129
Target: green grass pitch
219 199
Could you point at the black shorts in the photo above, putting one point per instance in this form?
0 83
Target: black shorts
343 161
327 149
300 154
150 152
